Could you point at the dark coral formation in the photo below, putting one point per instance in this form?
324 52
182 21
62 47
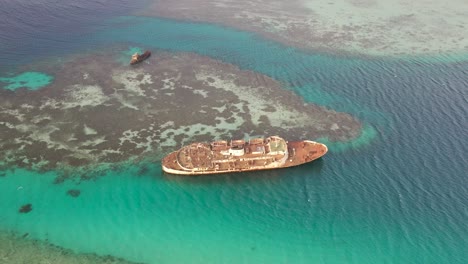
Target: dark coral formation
73 193
14 247
25 208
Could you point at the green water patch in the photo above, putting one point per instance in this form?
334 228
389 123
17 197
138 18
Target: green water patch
28 80
139 214
151 218
368 135
124 56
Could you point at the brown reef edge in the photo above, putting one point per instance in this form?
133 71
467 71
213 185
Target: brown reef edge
239 155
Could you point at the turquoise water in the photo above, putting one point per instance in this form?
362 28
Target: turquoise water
123 59
396 195
29 80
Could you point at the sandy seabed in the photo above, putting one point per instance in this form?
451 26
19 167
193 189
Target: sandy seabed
365 27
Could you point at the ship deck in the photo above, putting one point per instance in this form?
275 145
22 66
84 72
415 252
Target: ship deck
205 159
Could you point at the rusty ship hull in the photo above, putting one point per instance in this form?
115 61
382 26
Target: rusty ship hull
239 155
140 58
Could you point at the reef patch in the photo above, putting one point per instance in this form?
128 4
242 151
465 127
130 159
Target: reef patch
99 111
17 248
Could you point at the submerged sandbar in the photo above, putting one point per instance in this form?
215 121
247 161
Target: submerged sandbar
99 110
368 27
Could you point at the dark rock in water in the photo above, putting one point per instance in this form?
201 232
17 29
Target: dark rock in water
2 174
59 179
25 208
143 170
74 193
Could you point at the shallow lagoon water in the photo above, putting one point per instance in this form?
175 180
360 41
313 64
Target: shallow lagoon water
30 80
398 198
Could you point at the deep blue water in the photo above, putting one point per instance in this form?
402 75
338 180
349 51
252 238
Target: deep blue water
399 198
43 28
